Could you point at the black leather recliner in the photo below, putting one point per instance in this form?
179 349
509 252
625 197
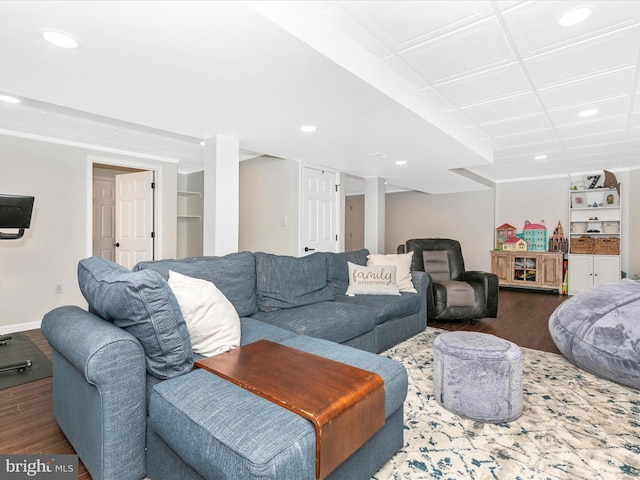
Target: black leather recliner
453 293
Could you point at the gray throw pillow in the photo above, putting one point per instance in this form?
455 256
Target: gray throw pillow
142 304
233 274
288 282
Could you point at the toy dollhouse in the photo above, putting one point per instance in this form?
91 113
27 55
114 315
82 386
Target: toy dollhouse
535 234
504 232
514 244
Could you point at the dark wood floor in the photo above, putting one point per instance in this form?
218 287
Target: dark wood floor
26 413
522 319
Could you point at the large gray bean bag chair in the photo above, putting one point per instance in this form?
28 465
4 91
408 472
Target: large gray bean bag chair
599 331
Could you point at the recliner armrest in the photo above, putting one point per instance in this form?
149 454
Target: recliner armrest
490 282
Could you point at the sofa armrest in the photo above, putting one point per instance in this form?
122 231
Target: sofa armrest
80 336
99 391
422 284
490 283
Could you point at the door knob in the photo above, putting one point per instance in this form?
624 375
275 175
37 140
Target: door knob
307 249
116 244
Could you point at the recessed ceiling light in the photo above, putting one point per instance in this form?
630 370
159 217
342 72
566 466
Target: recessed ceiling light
9 99
308 128
588 113
61 39
540 157
381 156
574 16
401 162
203 143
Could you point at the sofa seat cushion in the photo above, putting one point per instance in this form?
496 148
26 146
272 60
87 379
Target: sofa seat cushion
392 373
142 304
599 331
335 321
234 275
290 282
254 330
224 431
385 307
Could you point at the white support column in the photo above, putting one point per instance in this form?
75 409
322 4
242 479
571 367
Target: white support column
221 195
374 214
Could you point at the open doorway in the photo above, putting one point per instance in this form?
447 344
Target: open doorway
123 213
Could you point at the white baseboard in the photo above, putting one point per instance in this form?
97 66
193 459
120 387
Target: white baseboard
19 327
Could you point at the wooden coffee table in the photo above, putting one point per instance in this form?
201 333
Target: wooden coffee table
345 403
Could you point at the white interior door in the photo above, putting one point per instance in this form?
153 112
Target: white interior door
134 218
104 202
319 211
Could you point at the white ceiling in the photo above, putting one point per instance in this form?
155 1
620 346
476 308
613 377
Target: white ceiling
472 87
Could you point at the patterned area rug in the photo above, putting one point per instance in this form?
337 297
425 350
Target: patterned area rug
574 426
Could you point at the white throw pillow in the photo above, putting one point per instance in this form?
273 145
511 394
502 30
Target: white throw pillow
376 280
212 321
402 262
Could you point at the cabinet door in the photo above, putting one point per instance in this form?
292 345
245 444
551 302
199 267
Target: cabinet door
606 269
502 267
525 270
580 273
550 271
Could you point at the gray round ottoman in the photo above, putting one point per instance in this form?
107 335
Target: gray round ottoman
478 376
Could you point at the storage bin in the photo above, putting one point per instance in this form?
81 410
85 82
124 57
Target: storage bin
611 227
582 244
606 246
579 227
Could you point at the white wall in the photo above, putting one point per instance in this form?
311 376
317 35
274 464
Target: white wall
269 192
48 254
534 200
466 217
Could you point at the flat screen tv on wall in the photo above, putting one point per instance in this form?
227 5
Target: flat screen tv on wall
15 212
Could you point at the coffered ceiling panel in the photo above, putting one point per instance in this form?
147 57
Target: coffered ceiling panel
491 84
419 22
610 107
462 52
586 90
527 138
535 29
515 125
602 54
504 108
584 129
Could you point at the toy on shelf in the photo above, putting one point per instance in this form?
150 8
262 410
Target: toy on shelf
504 232
535 234
514 244
558 242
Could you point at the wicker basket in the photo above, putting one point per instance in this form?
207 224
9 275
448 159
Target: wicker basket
606 246
584 244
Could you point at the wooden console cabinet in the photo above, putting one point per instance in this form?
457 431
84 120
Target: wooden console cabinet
528 269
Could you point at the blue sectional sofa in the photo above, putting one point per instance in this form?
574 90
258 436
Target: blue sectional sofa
126 397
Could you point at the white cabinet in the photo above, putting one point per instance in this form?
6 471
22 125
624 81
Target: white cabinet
591 270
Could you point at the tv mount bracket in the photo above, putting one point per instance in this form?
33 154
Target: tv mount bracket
12 236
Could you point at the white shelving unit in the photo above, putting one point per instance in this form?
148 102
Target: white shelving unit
183 204
595 226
